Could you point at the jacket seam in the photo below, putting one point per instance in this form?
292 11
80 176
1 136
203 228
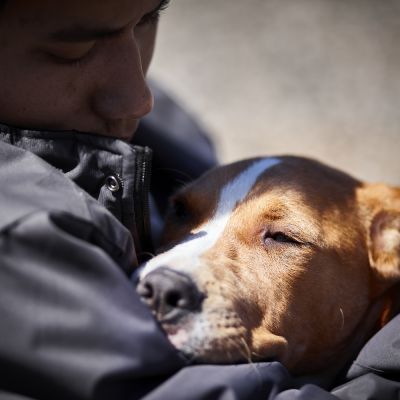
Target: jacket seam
366 368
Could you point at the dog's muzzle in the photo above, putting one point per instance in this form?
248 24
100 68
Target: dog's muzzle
170 294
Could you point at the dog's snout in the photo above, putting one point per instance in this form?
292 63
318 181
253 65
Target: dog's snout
169 293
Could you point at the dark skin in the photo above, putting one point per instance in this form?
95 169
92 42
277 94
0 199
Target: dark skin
77 64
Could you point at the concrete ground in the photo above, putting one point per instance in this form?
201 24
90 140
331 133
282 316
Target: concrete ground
312 77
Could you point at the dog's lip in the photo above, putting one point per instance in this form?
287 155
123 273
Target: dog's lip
178 335
175 322
174 318
171 329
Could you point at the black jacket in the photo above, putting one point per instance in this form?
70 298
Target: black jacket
73 223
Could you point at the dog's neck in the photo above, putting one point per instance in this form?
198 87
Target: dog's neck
391 306
380 312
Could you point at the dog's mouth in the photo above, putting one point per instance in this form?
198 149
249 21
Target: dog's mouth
179 335
197 318
209 337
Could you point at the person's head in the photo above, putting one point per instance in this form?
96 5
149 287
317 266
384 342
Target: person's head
76 64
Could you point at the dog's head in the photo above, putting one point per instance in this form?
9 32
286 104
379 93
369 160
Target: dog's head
274 258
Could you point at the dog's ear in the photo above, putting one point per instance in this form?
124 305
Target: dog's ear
384 246
383 227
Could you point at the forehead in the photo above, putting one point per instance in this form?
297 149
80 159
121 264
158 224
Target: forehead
258 175
236 201
260 191
277 185
44 14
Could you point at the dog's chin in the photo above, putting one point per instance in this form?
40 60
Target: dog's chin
212 351
202 341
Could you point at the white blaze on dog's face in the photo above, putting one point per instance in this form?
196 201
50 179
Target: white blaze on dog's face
279 254
186 256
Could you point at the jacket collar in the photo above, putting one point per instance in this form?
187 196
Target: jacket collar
114 172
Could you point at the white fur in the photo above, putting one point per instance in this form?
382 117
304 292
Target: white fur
186 255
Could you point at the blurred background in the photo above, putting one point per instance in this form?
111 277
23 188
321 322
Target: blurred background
319 78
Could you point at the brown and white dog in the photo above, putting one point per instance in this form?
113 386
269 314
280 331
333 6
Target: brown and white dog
276 258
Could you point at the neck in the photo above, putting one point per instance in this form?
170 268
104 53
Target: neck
378 314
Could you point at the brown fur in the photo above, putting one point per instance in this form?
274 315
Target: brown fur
305 304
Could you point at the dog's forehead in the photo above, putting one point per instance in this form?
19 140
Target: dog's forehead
235 191
226 184
205 236
283 174
299 187
239 174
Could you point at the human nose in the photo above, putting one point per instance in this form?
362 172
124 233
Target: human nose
122 94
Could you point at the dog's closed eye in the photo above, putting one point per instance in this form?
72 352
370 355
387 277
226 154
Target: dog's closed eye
278 237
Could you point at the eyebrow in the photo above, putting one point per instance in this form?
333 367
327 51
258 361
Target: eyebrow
78 33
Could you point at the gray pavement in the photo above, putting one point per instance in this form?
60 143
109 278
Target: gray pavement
319 78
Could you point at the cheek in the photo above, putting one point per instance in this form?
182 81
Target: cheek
264 282
245 281
38 93
33 90
325 302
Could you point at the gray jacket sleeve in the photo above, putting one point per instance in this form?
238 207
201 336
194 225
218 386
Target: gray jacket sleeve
71 323
72 326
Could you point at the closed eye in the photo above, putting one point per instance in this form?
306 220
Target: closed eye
72 53
279 237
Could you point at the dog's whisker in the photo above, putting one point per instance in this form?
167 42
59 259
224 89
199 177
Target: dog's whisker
231 347
247 351
248 356
342 315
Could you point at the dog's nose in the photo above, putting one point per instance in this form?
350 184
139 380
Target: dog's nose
169 293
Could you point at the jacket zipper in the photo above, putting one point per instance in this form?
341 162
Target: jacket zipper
141 202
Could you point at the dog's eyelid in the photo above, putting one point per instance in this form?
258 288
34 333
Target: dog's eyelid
280 236
296 233
284 238
294 237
